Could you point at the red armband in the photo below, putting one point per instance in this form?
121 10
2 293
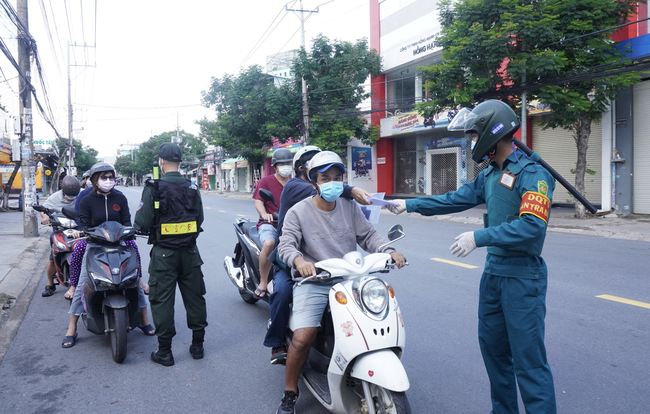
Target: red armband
536 204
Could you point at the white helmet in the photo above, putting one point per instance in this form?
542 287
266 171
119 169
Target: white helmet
323 161
306 150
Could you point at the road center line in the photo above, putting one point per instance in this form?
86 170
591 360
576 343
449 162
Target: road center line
454 263
241 215
626 301
222 211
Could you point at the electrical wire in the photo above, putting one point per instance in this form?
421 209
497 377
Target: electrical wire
262 39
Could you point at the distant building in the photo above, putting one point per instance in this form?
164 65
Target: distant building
126 150
279 65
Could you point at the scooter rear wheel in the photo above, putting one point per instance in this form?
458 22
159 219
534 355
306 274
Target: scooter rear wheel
386 401
117 325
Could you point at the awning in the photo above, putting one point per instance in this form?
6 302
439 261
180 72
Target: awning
231 163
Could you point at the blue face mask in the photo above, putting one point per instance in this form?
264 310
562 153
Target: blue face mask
331 191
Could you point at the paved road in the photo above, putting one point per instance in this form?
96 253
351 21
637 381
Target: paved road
597 347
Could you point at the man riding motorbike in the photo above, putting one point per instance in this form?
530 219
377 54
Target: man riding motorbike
64 197
319 228
295 190
266 229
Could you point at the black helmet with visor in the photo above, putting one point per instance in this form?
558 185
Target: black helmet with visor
491 120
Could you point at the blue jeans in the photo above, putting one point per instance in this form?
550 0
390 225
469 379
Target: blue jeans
279 302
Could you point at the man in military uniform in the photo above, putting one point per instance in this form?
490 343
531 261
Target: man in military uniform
517 192
171 211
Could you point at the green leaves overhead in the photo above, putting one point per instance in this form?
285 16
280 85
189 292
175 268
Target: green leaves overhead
336 72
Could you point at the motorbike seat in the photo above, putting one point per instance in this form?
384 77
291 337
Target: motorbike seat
250 230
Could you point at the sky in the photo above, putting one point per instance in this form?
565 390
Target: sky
152 58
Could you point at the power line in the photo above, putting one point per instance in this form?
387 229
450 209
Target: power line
134 107
260 41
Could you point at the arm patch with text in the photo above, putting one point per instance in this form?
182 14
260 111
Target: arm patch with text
536 204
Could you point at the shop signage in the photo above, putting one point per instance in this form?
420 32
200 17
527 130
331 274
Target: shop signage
242 164
381 160
413 121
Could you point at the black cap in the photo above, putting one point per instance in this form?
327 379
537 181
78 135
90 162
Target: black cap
169 151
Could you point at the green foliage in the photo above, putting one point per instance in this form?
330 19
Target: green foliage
488 44
147 153
84 157
251 110
335 72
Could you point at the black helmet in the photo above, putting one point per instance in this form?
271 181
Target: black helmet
101 167
70 186
281 155
492 120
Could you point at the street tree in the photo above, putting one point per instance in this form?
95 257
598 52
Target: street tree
147 153
251 110
335 72
564 50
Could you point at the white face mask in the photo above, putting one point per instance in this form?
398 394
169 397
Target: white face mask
284 170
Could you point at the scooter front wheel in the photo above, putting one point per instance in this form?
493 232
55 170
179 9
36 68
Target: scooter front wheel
385 401
117 325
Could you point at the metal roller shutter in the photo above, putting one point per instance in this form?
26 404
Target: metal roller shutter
641 204
558 148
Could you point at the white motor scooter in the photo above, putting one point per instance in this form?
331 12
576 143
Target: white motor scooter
354 364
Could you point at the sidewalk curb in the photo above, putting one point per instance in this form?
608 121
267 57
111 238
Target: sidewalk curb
16 290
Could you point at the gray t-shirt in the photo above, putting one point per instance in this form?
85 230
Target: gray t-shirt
56 202
317 235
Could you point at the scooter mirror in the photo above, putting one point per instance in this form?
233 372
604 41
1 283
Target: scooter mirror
267 195
38 208
396 232
69 212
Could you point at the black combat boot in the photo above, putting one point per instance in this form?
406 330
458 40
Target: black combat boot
164 355
196 349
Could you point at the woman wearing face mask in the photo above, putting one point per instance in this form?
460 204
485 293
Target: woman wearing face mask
266 228
100 205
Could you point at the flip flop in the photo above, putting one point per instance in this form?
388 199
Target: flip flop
68 341
261 293
148 330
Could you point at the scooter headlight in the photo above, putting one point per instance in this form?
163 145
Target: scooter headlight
375 296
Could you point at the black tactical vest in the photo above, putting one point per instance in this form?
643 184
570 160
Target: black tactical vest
178 215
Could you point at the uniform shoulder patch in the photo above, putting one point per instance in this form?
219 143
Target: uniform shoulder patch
542 188
140 205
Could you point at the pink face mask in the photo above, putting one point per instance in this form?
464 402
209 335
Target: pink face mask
106 184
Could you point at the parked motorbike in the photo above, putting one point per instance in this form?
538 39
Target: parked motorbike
110 296
62 241
354 364
244 268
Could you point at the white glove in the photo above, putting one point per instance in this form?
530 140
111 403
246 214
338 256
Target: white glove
464 245
398 208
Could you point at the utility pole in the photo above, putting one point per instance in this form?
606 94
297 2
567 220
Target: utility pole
305 97
28 169
71 141
72 170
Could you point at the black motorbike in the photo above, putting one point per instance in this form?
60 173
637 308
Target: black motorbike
62 241
243 267
110 296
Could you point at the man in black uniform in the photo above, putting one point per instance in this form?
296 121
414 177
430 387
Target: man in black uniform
171 211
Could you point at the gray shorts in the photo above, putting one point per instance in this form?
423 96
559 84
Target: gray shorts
309 303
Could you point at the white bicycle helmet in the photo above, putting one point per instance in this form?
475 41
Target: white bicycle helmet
323 161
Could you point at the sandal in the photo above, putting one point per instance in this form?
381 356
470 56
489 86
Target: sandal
261 293
68 341
148 330
49 291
